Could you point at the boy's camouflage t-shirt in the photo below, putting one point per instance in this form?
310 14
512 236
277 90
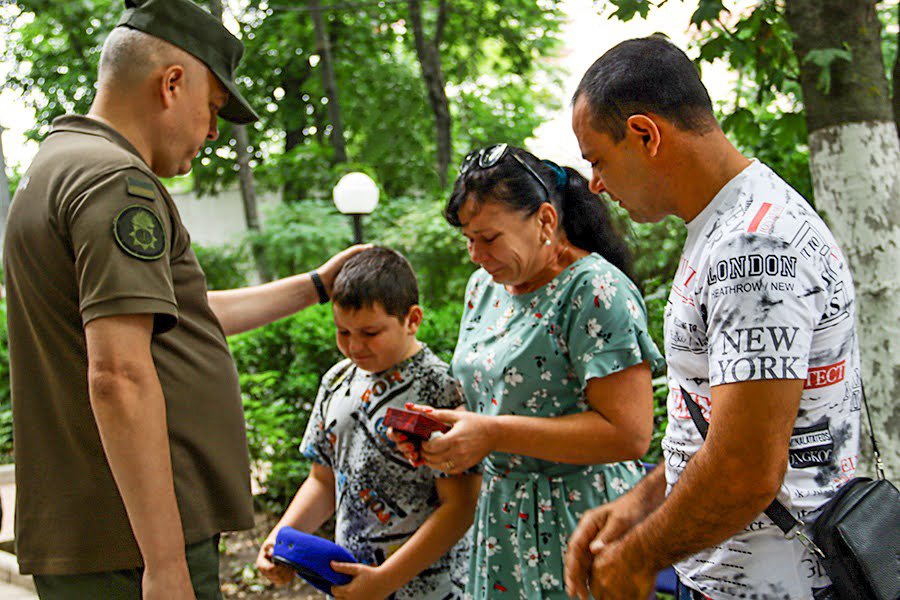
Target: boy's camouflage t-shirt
380 499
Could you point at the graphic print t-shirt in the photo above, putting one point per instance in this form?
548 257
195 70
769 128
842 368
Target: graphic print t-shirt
763 292
380 499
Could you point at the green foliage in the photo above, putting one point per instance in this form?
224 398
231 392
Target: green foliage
55 48
436 251
660 420
281 366
14 176
6 428
299 237
764 119
388 122
225 267
627 9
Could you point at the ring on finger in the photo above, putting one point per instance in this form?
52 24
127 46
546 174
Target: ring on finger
448 465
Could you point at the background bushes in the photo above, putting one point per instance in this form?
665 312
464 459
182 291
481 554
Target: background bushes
280 365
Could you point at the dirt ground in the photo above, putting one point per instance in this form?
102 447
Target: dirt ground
239 576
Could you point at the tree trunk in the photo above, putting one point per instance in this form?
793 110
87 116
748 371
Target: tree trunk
292 113
429 55
329 82
245 175
895 80
854 152
248 193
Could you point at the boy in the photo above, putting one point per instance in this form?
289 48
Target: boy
399 521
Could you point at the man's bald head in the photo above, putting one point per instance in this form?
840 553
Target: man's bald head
129 56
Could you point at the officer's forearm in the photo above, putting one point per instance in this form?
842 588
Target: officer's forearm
251 307
130 412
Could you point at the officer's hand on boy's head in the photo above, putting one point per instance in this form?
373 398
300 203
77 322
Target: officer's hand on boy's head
330 269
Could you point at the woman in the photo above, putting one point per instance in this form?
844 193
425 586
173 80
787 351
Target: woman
555 362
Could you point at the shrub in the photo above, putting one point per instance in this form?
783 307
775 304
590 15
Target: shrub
6 427
301 236
225 267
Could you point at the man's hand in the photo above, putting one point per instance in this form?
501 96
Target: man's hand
172 582
598 528
276 573
616 577
368 583
329 271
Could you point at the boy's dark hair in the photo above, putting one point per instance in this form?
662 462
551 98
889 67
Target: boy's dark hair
645 75
377 275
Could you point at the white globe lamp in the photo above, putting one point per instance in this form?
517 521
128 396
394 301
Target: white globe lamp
356 194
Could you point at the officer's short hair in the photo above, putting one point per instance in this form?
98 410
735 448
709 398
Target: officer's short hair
128 55
645 75
377 275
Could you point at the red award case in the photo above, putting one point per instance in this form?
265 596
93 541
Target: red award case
417 426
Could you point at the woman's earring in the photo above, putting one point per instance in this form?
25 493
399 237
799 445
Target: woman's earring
547 242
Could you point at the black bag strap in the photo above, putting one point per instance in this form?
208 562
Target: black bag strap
879 466
776 511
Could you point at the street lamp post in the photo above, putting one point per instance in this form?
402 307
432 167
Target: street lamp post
356 195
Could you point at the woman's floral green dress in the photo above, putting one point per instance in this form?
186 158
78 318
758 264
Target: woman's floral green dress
532 355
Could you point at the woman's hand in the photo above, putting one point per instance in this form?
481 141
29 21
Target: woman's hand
409 450
469 440
368 583
276 573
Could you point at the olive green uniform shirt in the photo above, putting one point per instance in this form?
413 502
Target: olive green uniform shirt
93 233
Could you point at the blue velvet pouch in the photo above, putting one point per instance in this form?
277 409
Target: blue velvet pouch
311 557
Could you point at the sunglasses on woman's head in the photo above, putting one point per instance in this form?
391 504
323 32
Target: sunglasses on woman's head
487 157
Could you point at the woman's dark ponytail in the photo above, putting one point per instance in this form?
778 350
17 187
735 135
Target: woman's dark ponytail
588 224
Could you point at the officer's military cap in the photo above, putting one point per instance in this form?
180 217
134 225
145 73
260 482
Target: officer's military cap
186 25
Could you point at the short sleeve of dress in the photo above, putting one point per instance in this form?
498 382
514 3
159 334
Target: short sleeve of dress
120 232
608 328
761 301
317 444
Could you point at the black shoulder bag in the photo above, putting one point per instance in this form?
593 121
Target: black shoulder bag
857 534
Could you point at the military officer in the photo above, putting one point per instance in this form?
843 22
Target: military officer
131 453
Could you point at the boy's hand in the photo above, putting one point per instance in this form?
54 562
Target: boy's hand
274 572
464 446
368 583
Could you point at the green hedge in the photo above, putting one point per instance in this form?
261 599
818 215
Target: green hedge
280 367
6 431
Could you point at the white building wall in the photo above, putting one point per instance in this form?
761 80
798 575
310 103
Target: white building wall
216 220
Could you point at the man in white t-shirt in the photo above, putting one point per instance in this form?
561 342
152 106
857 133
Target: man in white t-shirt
760 331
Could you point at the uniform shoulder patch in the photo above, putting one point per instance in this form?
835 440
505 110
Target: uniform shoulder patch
140 188
139 232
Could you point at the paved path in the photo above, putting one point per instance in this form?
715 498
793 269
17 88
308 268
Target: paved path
14 592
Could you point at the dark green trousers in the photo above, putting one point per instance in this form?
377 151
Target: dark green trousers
202 560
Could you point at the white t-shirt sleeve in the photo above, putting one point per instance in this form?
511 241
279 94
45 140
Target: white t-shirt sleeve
760 300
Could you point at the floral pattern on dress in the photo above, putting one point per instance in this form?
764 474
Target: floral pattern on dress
532 355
